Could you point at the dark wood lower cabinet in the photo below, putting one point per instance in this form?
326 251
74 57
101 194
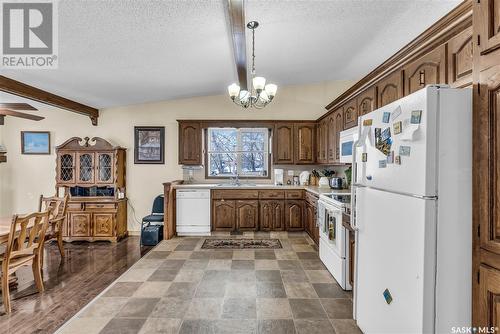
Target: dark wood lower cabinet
247 215
489 297
294 215
272 215
224 215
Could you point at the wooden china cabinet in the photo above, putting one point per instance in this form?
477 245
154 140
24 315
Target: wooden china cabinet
92 172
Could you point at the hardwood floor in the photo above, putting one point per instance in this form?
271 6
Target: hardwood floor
69 285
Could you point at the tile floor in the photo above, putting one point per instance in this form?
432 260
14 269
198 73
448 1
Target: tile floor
180 288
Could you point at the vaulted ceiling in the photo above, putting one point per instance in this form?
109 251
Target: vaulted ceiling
127 52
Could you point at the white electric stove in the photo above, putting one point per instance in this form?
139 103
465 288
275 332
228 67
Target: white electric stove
334 237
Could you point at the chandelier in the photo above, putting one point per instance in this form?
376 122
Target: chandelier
259 95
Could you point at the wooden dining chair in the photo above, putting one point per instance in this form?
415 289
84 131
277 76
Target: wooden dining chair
57 207
24 248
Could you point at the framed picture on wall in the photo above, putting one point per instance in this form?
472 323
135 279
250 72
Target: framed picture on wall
35 142
149 144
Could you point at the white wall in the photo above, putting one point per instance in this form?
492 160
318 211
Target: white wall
24 177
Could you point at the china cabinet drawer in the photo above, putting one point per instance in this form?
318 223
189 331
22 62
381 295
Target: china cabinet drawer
105 206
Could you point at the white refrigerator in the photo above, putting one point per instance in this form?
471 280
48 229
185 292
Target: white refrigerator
412 214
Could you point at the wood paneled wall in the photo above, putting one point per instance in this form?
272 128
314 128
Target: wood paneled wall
461 50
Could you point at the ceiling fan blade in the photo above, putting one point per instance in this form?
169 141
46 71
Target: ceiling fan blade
17 106
7 112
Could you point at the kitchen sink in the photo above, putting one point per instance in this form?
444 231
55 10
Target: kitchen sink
233 185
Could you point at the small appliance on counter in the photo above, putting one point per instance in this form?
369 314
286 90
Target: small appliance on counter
304 178
324 182
336 183
278 177
295 180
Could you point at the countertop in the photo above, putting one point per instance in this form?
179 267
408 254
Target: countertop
312 189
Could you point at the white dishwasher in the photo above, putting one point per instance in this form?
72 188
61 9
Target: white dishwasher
193 212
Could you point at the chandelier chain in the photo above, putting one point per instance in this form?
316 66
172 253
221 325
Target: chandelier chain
253 51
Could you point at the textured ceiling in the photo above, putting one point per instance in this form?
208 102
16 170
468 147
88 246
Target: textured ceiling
127 52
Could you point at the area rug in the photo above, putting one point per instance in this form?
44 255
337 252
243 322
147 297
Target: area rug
241 244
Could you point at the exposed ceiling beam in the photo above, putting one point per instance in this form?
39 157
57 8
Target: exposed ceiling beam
29 92
236 11
7 112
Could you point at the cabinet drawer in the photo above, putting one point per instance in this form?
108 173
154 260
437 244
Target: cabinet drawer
75 206
311 198
271 194
106 206
235 194
294 194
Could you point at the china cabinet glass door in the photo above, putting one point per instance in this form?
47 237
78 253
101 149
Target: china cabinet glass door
86 167
67 168
105 168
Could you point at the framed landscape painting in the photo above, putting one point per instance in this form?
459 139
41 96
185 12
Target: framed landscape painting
149 144
35 142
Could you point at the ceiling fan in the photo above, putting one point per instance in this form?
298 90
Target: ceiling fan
9 109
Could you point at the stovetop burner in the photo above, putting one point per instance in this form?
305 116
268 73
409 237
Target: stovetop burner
340 198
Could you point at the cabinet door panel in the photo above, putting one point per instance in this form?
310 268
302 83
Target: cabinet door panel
224 215
105 168
247 213
487 17
80 224
66 168
489 297
278 214
294 215
366 101
427 70
350 114
304 137
332 146
86 165
283 143
460 49
390 89
103 224
266 215
190 143
487 167
339 127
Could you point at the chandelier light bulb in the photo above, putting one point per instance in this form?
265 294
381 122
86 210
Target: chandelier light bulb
259 83
271 90
233 90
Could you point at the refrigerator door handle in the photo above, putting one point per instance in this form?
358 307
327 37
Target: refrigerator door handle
354 182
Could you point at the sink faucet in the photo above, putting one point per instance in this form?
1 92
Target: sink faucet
236 180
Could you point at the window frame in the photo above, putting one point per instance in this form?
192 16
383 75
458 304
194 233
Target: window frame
238 151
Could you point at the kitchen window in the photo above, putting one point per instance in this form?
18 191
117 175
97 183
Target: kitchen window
242 151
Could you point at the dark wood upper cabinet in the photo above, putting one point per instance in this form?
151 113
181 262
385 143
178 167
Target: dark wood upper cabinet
190 143
304 137
224 215
350 114
294 215
247 215
366 101
323 141
390 88
487 20
283 143
427 70
331 144
339 127
460 52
